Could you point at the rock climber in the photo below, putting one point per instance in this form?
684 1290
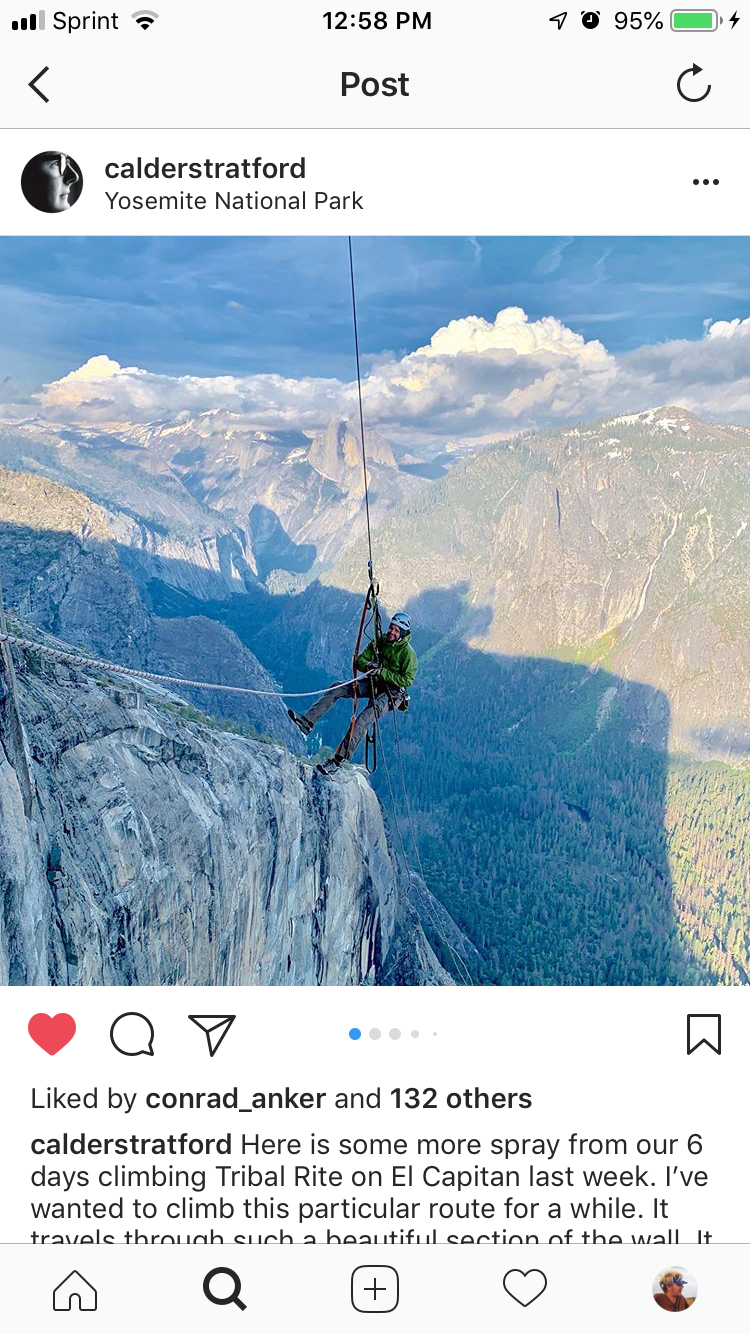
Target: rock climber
389 666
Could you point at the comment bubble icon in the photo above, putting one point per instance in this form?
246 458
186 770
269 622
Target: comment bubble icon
132 1034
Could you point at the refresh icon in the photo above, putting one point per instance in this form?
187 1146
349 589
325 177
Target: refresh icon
694 69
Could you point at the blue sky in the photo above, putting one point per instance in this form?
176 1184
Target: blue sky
541 331
211 306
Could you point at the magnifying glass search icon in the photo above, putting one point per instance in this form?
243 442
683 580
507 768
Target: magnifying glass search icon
229 1298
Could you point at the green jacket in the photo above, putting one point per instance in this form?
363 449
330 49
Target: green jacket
398 661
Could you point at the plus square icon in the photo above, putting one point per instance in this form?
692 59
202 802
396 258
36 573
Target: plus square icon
375 1289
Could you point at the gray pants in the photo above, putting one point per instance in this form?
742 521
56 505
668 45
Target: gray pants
386 697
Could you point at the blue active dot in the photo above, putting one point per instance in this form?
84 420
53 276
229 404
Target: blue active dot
355 1033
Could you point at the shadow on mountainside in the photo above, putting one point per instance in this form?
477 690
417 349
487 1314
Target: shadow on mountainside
274 548
538 809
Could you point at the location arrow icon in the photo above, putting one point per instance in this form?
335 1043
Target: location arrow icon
33 83
215 1027
559 19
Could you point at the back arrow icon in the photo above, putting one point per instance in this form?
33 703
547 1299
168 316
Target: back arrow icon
694 69
33 83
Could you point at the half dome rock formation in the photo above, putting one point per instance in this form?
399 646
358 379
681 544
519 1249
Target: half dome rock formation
337 453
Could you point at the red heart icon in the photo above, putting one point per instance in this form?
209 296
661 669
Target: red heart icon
52 1032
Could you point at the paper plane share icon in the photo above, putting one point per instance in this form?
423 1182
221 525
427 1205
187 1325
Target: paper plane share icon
215 1027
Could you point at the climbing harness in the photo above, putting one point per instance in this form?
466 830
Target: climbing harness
370 606
371 737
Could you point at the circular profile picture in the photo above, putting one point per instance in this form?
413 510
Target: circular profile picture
674 1289
52 182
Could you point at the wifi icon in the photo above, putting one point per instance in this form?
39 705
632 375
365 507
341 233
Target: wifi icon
145 18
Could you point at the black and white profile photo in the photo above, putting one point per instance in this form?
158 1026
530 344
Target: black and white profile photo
52 182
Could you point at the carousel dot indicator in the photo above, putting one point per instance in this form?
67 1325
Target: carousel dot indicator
355 1034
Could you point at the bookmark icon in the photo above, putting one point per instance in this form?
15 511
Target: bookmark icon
704 1030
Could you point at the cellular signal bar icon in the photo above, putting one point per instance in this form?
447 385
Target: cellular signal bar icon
34 23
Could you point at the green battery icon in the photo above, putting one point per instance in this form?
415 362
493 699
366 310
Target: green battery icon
695 20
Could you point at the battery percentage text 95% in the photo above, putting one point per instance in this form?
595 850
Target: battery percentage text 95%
637 18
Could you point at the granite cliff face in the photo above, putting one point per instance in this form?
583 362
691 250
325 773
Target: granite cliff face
139 848
139 843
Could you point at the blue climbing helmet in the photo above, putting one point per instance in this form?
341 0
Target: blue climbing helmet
403 620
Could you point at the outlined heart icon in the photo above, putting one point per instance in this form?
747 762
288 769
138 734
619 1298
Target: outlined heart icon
524 1286
52 1032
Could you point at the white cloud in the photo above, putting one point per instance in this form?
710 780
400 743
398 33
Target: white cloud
96 368
729 329
474 378
106 394
512 331
710 374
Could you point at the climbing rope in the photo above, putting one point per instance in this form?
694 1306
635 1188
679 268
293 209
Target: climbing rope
361 410
99 664
371 597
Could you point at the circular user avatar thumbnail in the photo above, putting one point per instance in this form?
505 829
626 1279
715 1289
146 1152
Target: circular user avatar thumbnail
52 182
674 1289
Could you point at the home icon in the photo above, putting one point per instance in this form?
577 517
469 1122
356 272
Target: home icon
74 1292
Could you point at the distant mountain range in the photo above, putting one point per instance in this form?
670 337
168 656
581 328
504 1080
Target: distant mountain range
233 505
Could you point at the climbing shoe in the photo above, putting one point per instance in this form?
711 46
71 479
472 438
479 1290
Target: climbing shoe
300 721
329 766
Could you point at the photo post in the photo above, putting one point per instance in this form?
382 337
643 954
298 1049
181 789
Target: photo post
374 666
